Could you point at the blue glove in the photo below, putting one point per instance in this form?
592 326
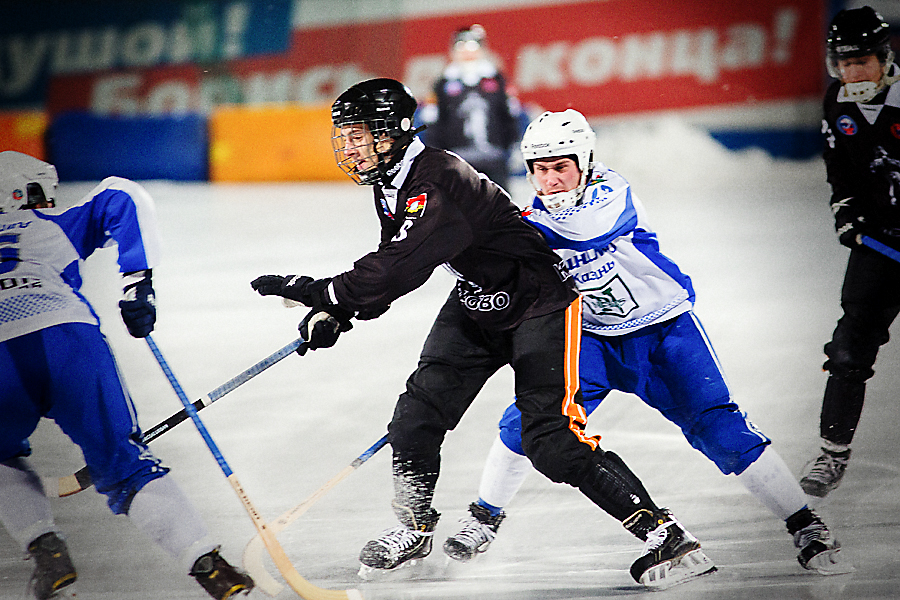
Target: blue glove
139 305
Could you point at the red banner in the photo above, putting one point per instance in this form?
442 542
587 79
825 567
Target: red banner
603 58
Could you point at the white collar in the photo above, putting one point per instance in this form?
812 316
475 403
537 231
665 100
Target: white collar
412 151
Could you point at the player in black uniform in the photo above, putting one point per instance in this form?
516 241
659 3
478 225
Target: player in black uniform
473 112
511 305
862 125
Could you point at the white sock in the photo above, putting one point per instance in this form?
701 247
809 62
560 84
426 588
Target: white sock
162 511
504 473
772 483
24 508
832 447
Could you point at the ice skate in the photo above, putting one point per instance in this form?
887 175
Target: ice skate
218 578
671 554
824 473
402 545
476 535
819 551
53 569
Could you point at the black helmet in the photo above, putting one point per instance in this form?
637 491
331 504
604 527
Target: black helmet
858 32
387 108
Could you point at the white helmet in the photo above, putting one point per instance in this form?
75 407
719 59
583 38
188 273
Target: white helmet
560 135
25 181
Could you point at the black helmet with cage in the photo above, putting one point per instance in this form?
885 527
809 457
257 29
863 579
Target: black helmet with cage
387 108
858 32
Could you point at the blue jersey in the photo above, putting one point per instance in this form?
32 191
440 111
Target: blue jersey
42 251
613 255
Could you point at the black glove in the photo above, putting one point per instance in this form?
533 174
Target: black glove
299 288
848 222
320 329
139 306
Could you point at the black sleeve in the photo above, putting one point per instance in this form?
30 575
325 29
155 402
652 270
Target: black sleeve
427 238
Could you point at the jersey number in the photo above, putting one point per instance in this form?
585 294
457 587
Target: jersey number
9 253
404 231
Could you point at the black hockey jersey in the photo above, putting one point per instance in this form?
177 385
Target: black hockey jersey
862 157
475 119
439 211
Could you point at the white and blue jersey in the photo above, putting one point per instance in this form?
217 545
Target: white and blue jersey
641 335
612 254
42 251
54 361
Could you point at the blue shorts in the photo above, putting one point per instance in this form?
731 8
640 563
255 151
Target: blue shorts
67 373
671 366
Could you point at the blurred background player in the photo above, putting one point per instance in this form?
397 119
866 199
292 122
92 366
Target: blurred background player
640 336
473 113
862 110
511 305
56 363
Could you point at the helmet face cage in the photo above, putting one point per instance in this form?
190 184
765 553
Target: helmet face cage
25 182
857 32
386 107
560 135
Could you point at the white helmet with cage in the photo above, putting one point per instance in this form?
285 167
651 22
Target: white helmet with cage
564 134
25 182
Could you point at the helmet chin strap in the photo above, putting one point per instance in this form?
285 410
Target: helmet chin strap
864 91
563 200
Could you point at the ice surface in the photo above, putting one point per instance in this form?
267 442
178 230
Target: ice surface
755 235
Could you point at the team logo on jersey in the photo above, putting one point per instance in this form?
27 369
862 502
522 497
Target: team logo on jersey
416 206
614 299
18 194
895 130
453 88
490 85
846 125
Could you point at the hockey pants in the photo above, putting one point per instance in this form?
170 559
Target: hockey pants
671 366
870 299
67 373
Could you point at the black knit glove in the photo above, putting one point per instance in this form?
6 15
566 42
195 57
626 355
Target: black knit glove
138 307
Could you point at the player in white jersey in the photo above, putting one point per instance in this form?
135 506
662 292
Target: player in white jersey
640 336
55 363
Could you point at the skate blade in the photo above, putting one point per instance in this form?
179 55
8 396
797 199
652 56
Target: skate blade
830 562
367 573
692 565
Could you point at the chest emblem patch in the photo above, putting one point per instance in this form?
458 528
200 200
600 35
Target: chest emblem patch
416 206
846 125
895 130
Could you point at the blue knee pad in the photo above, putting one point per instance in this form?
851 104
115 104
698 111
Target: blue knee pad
511 429
725 436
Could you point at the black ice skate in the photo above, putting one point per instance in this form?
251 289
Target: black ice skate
404 544
53 567
671 554
218 578
476 535
819 551
825 472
